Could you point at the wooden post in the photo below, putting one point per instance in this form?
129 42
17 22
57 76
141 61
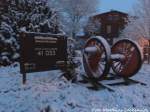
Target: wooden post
149 52
24 78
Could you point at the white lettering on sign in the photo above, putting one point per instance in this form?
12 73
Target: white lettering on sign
39 39
46 51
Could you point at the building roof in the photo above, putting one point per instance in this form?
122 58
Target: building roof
110 12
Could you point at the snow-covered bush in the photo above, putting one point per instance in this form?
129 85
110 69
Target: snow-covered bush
8 44
33 15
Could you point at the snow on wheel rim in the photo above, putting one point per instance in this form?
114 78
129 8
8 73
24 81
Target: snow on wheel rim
97 65
133 58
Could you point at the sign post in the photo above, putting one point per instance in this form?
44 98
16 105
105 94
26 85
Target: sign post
24 78
41 52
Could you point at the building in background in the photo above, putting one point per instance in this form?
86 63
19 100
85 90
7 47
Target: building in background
112 23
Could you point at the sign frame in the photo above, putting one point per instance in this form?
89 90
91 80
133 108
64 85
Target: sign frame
41 52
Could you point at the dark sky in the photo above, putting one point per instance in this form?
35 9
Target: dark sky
120 5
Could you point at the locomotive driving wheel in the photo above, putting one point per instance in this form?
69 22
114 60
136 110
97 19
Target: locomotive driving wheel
132 61
96 56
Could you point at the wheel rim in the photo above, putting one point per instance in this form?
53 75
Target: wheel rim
133 59
96 65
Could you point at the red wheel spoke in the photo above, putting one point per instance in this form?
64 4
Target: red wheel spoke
128 47
131 51
97 64
101 68
119 69
102 62
123 47
100 71
118 64
101 48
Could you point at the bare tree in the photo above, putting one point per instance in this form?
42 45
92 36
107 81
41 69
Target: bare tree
74 13
93 27
139 26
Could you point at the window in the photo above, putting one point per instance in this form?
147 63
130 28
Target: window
113 17
116 17
108 28
110 17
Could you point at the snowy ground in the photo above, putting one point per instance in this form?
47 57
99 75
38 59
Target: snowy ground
43 89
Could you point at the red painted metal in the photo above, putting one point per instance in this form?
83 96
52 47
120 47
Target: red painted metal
132 62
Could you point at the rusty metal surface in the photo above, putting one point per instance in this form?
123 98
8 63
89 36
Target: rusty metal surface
132 62
96 57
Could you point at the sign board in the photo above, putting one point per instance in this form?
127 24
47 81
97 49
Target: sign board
41 51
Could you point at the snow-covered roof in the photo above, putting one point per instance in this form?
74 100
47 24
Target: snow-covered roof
111 11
